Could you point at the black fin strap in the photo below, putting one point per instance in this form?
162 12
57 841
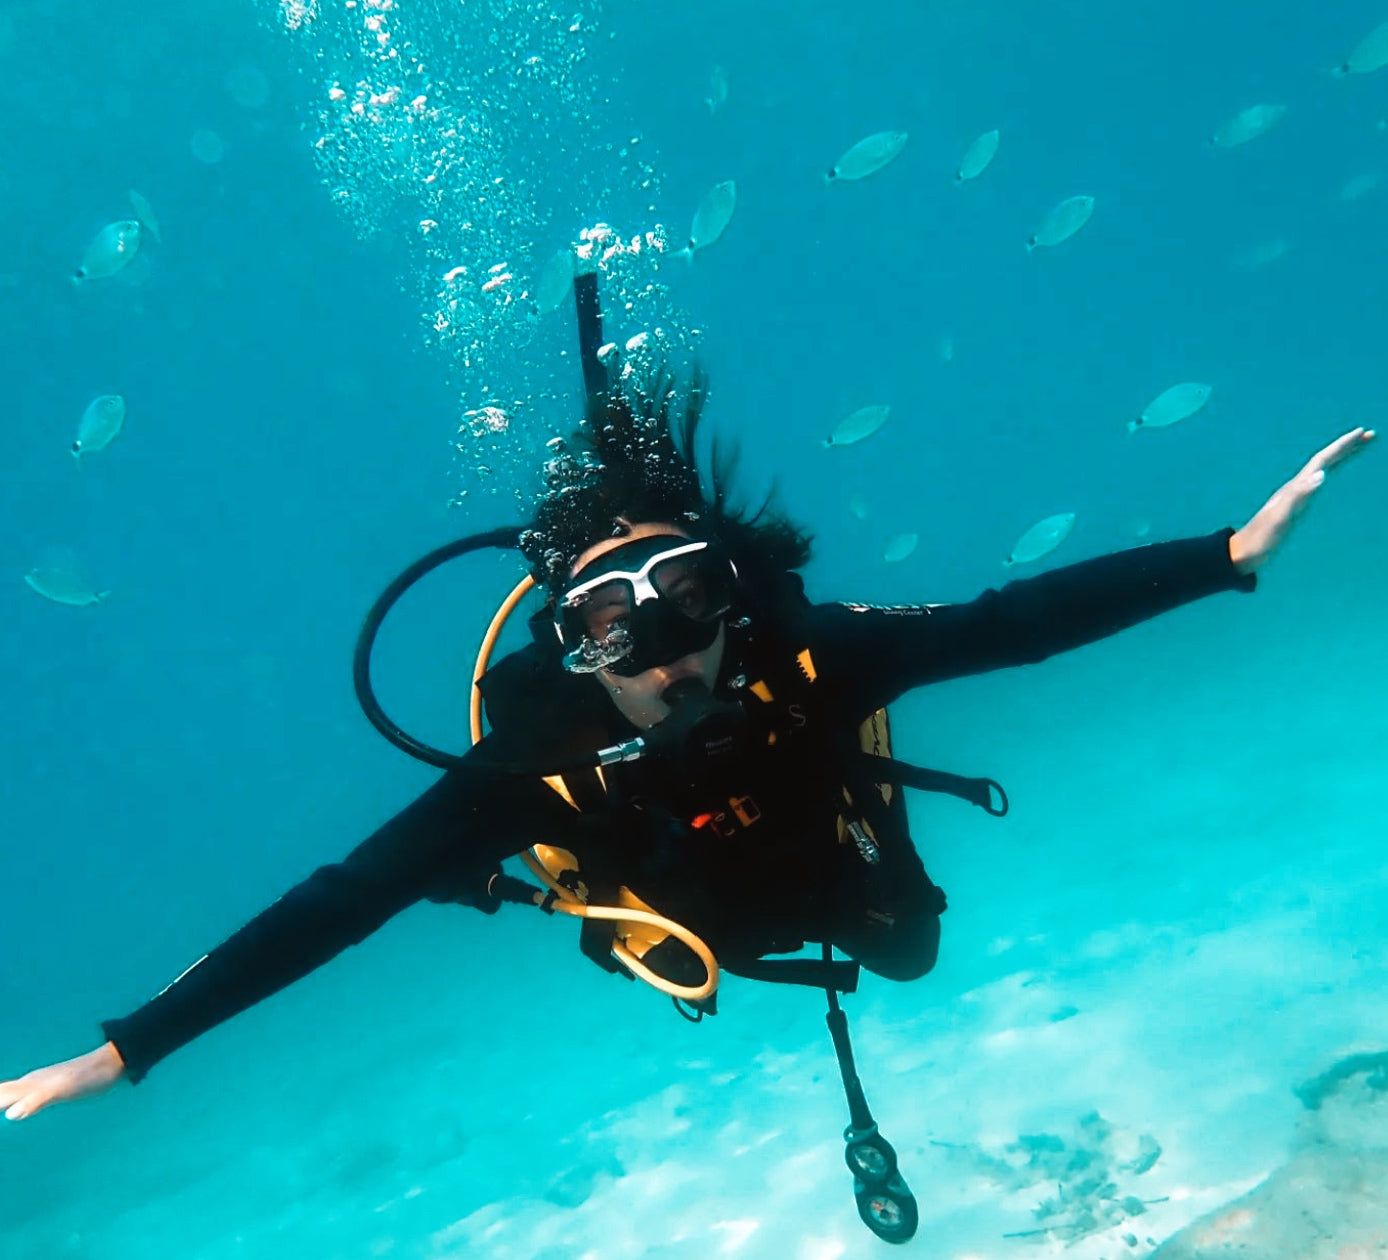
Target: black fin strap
987 794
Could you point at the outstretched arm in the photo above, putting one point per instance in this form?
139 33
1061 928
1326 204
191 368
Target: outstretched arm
1251 546
441 847
876 654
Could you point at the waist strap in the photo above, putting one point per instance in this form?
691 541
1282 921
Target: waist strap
987 794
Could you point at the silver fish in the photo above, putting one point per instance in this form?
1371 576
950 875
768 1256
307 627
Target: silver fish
111 250
717 90
712 217
1360 186
1263 254
868 156
1370 53
1248 124
858 425
899 546
977 157
1171 406
553 285
100 424
1041 539
1062 222
63 584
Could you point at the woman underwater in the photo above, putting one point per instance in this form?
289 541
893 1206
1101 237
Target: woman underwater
757 821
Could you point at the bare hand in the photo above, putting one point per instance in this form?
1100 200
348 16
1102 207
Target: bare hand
1251 546
62 1082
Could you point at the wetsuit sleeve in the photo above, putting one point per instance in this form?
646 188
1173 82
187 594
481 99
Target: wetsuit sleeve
879 653
440 847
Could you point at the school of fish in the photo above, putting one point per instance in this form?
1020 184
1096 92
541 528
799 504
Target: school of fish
1065 219
110 252
1057 225
119 243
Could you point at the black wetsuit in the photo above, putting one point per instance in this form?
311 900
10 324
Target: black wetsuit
754 864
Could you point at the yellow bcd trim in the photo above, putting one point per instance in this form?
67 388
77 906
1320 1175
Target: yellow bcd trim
637 925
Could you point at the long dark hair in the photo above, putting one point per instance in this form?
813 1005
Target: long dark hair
634 458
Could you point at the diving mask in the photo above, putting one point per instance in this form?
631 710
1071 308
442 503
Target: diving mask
645 604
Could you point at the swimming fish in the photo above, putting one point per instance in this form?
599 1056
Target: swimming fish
110 251
899 546
712 217
1041 539
868 156
858 425
553 285
100 424
144 213
63 585
977 157
717 90
1062 222
1263 254
1171 406
858 505
1360 186
1248 124
1370 54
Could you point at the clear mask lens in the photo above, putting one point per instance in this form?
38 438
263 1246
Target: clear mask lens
632 619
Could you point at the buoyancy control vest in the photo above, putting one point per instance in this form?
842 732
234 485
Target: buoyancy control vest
541 715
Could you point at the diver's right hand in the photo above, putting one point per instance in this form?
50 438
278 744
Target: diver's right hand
62 1082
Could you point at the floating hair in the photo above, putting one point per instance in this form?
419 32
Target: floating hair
635 459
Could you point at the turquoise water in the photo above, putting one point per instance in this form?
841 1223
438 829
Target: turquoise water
1181 919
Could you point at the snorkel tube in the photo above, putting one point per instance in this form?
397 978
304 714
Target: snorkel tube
699 729
693 710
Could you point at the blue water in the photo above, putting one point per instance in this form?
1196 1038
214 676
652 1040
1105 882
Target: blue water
1181 919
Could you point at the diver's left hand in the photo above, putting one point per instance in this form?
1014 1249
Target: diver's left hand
1250 547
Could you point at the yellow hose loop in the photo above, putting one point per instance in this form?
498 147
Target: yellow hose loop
687 993
484 653
567 901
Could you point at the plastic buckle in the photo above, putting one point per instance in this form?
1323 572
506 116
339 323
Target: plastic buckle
867 846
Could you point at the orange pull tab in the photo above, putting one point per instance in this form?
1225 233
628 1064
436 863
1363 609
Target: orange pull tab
745 809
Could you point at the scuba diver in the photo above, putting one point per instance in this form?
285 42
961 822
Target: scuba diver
691 757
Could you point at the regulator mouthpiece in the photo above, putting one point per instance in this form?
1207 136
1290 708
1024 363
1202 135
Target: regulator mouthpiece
700 728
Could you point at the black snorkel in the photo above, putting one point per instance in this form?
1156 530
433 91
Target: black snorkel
699 730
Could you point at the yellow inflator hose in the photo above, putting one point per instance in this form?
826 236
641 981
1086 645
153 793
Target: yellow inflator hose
567 901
